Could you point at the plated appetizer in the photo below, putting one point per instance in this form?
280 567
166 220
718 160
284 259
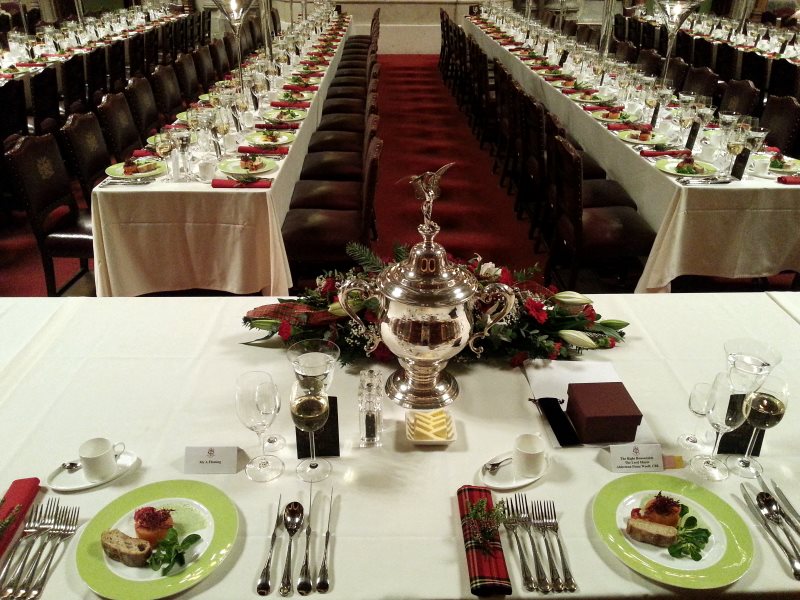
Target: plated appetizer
778 161
132 167
666 523
688 166
250 162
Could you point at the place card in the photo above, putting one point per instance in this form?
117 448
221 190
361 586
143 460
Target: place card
210 459
326 439
690 140
635 458
737 171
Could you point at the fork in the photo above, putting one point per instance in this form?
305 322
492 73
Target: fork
537 508
44 524
29 528
63 531
511 526
551 523
520 502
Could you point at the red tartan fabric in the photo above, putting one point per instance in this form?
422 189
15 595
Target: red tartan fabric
488 574
277 125
257 150
652 153
19 498
281 104
293 312
301 88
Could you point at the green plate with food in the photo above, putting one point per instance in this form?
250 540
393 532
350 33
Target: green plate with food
181 117
709 547
290 96
196 508
635 137
593 98
137 168
297 80
783 164
285 115
152 139
686 167
247 165
264 137
607 116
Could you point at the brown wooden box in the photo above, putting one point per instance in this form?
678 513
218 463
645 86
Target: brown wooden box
602 412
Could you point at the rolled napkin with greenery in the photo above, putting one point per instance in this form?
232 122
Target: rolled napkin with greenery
258 150
14 505
651 153
277 126
594 108
233 183
789 179
301 88
622 127
314 63
143 152
480 521
283 104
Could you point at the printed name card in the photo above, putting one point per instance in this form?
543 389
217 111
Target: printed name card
636 458
210 459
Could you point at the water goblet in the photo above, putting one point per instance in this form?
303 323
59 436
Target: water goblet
313 360
257 405
749 363
310 408
699 405
163 147
763 408
724 415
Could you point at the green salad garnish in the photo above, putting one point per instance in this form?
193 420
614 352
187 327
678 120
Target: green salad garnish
170 552
691 538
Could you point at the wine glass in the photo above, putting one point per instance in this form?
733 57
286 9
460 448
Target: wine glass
734 146
724 415
310 409
257 405
182 139
749 363
163 146
763 408
699 405
313 361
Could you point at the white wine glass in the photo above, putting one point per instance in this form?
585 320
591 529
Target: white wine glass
724 415
699 405
763 408
257 405
310 408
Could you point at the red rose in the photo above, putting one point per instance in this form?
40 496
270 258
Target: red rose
285 330
370 317
612 342
555 352
505 276
589 313
536 310
329 285
382 353
518 359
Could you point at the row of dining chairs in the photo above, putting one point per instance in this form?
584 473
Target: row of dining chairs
333 203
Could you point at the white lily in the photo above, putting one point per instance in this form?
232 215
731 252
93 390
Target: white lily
577 338
571 298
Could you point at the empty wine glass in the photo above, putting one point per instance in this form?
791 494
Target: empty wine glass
257 405
699 405
310 408
763 408
724 415
313 360
749 363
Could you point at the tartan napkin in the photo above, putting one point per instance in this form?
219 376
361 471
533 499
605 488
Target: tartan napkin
789 179
301 88
622 127
277 125
232 183
142 153
313 63
6 75
773 149
543 67
593 108
31 64
576 91
13 508
282 104
257 150
684 152
488 574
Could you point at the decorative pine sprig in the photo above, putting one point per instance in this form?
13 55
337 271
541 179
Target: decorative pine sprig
366 258
12 516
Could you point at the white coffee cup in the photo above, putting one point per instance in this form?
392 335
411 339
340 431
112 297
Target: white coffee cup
707 153
99 458
761 165
530 456
206 169
231 142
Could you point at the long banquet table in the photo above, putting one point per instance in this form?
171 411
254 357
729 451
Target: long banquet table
743 229
159 373
168 236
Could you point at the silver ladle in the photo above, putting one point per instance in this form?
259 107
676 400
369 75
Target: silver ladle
292 521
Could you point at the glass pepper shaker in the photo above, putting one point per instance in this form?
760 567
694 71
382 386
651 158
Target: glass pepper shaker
370 415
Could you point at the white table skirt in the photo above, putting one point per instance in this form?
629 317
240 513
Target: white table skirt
158 374
743 229
175 236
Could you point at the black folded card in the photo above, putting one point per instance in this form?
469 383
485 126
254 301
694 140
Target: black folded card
559 422
326 439
735 442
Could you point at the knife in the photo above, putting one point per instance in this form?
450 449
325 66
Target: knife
789 511
748 498
263 586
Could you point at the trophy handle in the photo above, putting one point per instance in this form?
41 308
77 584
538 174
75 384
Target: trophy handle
501 308
367 290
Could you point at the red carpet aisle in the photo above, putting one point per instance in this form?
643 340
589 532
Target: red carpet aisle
423 129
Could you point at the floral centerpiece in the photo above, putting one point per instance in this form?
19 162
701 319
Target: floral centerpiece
546 323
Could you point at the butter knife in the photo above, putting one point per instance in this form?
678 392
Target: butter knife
787 510
263 586
748 498
782 497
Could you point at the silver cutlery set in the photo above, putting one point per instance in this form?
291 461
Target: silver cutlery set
294 518
27 566
538 516
774 515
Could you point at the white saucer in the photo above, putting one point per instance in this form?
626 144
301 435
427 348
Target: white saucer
62 480
505 478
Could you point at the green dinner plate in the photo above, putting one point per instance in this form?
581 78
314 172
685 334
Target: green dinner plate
667 165
275 114
117 170
181 117
231 166
152 139
632 138
792 166
598 114
200 507
259 138
726 557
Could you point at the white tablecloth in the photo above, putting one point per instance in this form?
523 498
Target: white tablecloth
743 229
158 374
175 236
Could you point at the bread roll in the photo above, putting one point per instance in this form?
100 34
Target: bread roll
655 534
130 551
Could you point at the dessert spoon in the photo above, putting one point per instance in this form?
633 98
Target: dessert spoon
292 520
771 510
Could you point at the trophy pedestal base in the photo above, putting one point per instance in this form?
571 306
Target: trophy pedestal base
425 393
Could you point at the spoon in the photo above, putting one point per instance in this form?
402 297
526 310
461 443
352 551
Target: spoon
771 510
292 520
70 467
493 467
